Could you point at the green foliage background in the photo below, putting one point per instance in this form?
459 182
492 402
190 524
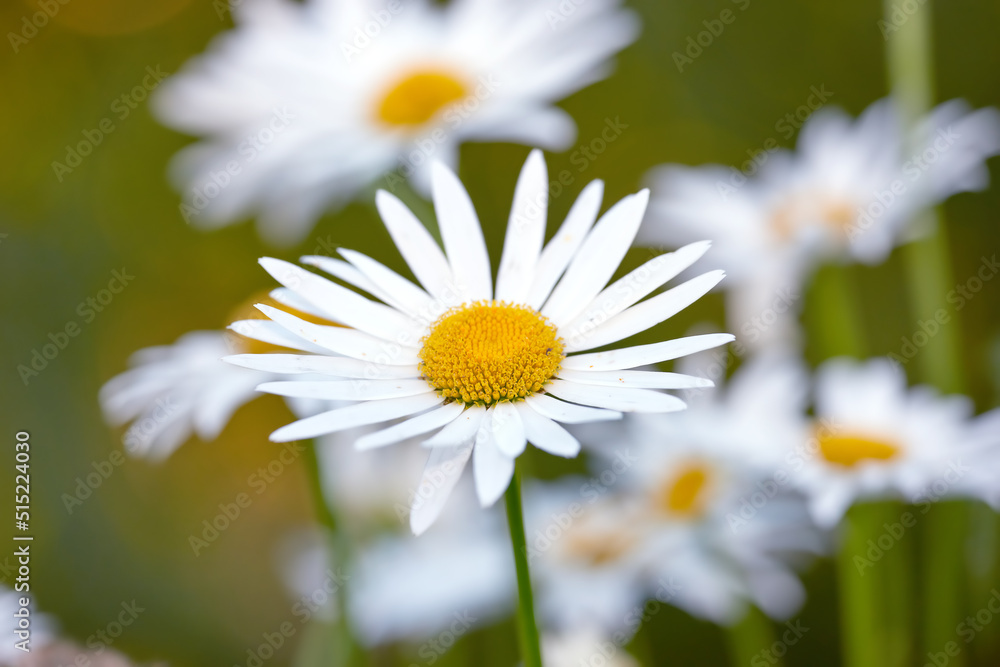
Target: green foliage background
64 238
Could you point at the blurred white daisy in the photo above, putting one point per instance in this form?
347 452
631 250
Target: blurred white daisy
492 369
42 645
981 452
850 191
699 519
586 646
458 578
172 392
877 439
42 631
300 109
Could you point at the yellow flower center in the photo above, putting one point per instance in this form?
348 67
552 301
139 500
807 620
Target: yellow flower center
418 97
598 548
485 352
798 211
247 311
686 492
849 449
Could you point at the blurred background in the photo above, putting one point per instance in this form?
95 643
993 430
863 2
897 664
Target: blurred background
63 235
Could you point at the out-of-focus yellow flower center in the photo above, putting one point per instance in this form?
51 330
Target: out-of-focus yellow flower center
686 492
837 213
850 449
419 96
488 351
597 548
247 311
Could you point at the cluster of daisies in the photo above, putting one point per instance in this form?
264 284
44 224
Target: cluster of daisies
708 499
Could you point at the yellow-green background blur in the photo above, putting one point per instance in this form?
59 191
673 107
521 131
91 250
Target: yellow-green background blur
62 240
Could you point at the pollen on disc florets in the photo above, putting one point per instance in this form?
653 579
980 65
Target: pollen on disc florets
487 351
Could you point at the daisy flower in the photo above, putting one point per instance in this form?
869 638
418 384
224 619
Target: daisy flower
850 191
299 109
698 519
874 439
172 392
486 370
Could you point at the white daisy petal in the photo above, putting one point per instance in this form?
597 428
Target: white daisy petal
273 333
444 467
216 405
597 259
421 252
636 379
342 305
411 427
636 285
287 297
568 413
644 315
508 431
615 398
344 367
338 268
359 414
643 355
412 300
460 431
525 231
560 250
492 468
546 434
346 390
341 340
462 235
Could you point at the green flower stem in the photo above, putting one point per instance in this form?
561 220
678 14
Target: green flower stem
861 598
983 531
909 55
895 569
527 630
344 645
749 636
875 601
943 575
835 325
